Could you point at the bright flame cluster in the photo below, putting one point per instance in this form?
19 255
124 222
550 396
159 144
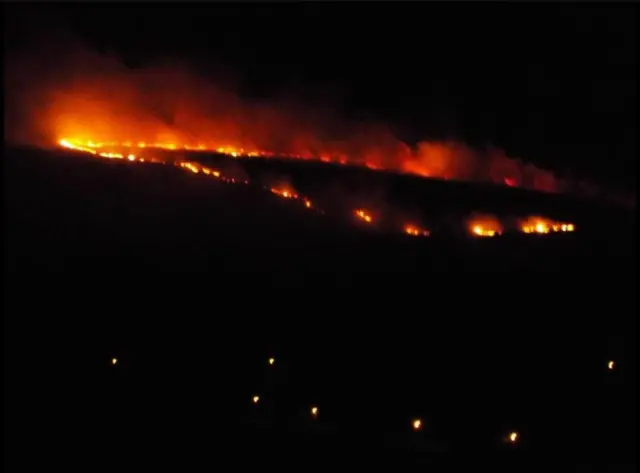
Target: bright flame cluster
364 215
482 231
286 193
416 231
543 226
477 226
485 226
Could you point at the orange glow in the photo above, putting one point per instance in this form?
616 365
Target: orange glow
513 437
314 411
416 424
364 215
114 361
272 361
285 193
485 226
193 167
542 226
426 161
288 193
256 399
101 104
611 365
480 226
416 231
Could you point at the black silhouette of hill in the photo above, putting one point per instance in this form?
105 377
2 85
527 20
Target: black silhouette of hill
192 284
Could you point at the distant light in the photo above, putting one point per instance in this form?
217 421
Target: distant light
114 361
611 365
272 361
256 399
314 411
513 437
364 215
417 424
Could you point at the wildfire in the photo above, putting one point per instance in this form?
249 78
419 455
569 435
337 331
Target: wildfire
194 168
480 226
107 149
543 226
415 231
485 226
92 148
285 193
364 215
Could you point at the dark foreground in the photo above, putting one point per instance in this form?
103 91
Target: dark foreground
193 285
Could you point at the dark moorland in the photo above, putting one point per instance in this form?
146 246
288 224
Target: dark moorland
193 284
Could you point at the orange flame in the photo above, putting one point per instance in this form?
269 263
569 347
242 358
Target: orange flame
415 231
285 193
542 226
97 105
485 226
480 226
364 215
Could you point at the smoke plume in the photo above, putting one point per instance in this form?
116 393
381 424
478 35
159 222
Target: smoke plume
67 90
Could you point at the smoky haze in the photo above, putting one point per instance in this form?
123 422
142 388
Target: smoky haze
65 89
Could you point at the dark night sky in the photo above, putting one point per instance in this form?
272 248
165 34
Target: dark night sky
553 84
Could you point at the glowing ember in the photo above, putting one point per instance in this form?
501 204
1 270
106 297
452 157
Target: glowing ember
542 226
314 412
415 231
256 399
193 167
114 361
485 226
108 149
513 437
98 104
272 361
285 193
416 424
611 365
480 226
364 215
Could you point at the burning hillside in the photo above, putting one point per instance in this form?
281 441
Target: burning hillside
96 104
477 225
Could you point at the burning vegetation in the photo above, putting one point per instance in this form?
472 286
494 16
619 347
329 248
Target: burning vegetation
543 226
416 231
478 225
485 226
98 105
364 215
287 193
